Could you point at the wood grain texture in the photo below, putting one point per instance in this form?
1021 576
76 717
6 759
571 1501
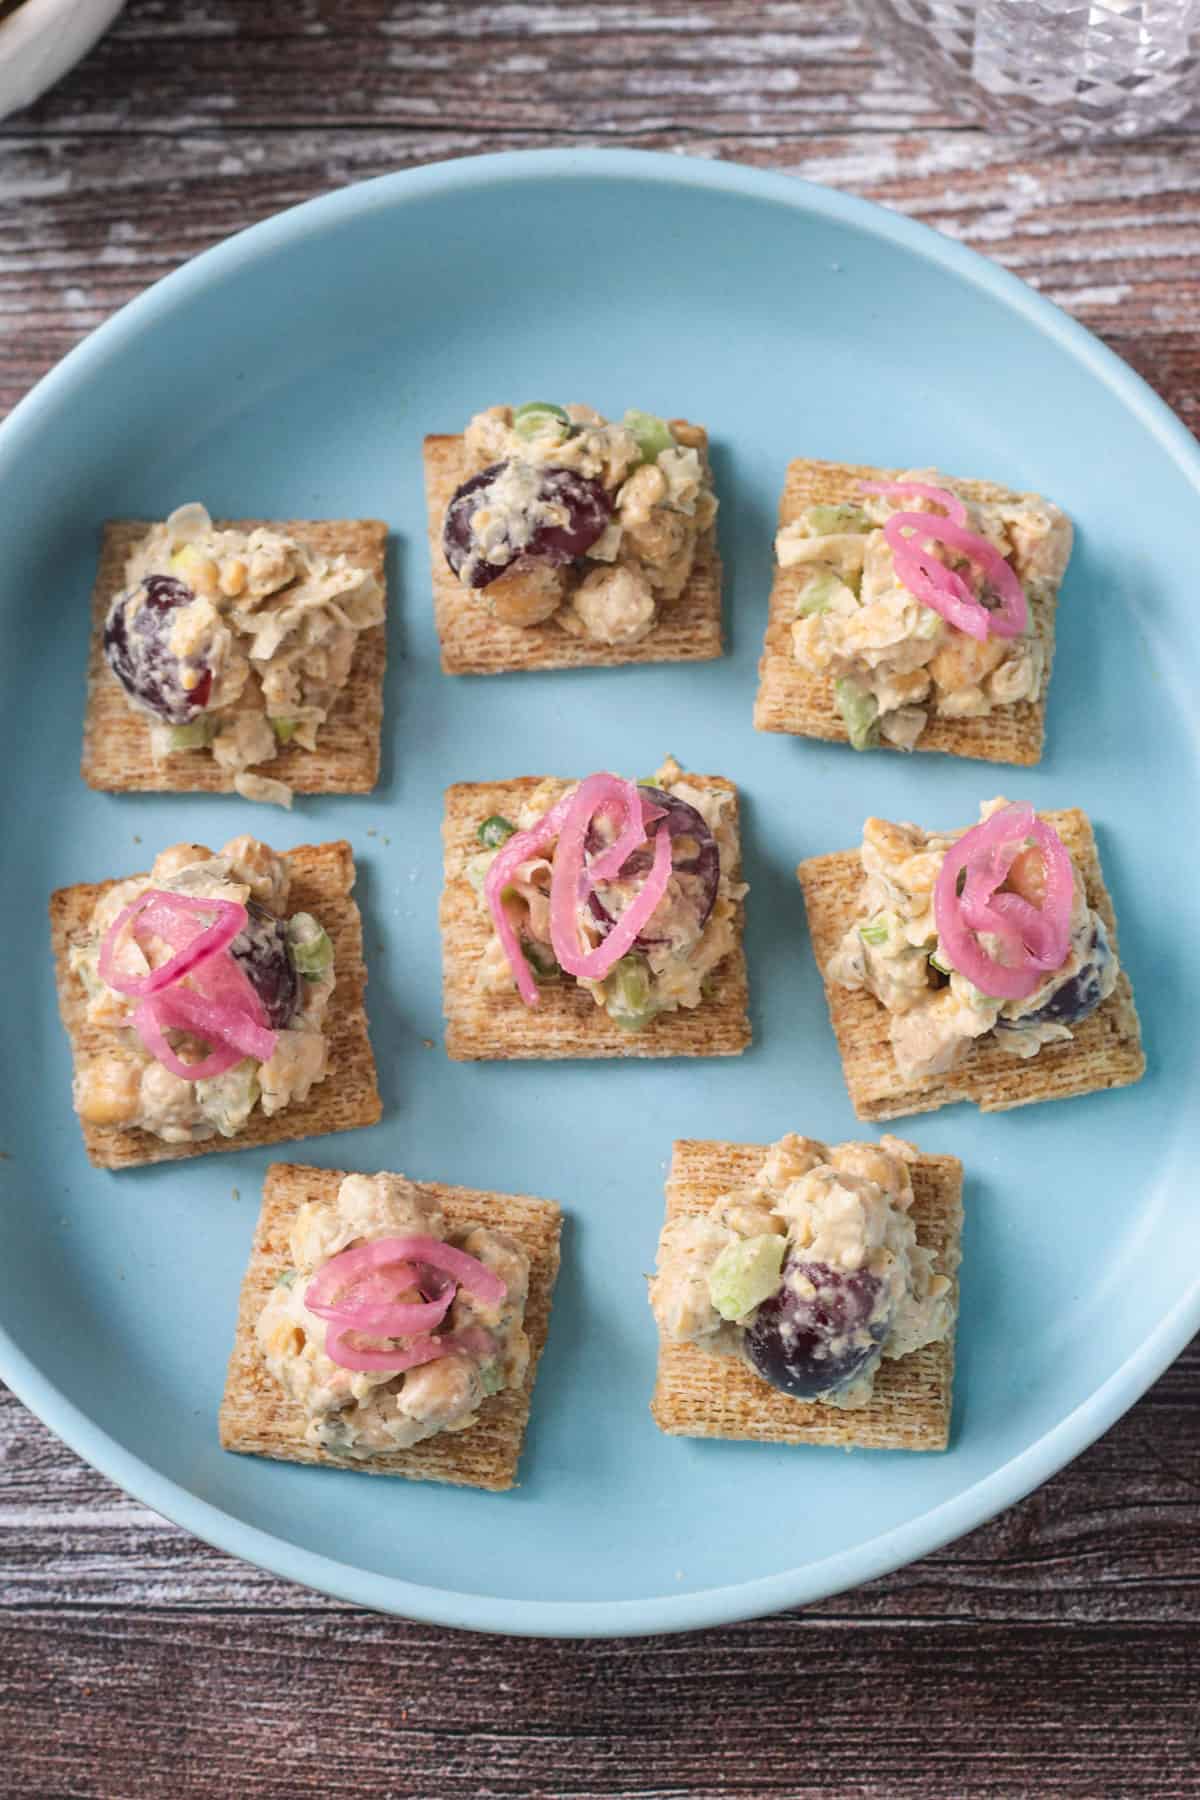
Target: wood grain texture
1053 1652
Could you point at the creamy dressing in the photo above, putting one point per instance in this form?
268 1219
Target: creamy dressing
844 1210
893 949
363 1413
895 661
672 972
275 622
615 592
125 1085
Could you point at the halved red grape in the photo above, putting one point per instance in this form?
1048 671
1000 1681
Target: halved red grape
695 861
586 503
139 653
819 1342
261 950
1076 997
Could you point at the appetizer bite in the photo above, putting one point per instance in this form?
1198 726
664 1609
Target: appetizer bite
594 918
972 965
559 539
912 610
215 1002
807 1295
244 657
391 1326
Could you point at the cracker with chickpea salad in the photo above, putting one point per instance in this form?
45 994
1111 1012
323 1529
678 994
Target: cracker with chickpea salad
792 700
475 643
116 739
322 876
1105 1050
489 1026
699 1395
258 1419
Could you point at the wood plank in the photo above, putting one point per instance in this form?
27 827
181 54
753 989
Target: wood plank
195 1704
1112 234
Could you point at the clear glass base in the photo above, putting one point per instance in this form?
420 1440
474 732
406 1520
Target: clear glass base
1101 68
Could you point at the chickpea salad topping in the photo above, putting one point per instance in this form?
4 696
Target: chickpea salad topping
235 643
568 516
626 888
987 936
213 994
910 624
811 1275
386 1329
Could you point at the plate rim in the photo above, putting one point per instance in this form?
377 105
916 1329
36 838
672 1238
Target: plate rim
858 1563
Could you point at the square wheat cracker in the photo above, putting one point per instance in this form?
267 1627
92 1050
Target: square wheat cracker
322 876
688 628
790 699
568 1023
258 1419
1105 1051
698 1395
116 739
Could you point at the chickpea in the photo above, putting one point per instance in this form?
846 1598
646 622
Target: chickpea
233 578
641 493
876 1165
962 661
660 538
442 1393
176 857
527 593
201 575
264 873
107 1091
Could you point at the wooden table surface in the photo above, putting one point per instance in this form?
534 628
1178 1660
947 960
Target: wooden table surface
1053 1652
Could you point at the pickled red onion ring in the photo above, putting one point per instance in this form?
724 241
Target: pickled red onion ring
341 1349
518 849
149 1027
369 1302
348 1321
230 1032
1036 939
944 589
166 915
474 1341
569 882
183 1009
352 1265
953 506
640 813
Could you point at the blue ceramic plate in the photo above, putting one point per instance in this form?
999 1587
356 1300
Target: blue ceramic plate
293 371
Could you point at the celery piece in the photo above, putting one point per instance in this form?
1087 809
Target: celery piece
309 946
494 831
745 1274
541 418
653 434
629 993
876 930
832 521
861 713
284 729
816 596
190 737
